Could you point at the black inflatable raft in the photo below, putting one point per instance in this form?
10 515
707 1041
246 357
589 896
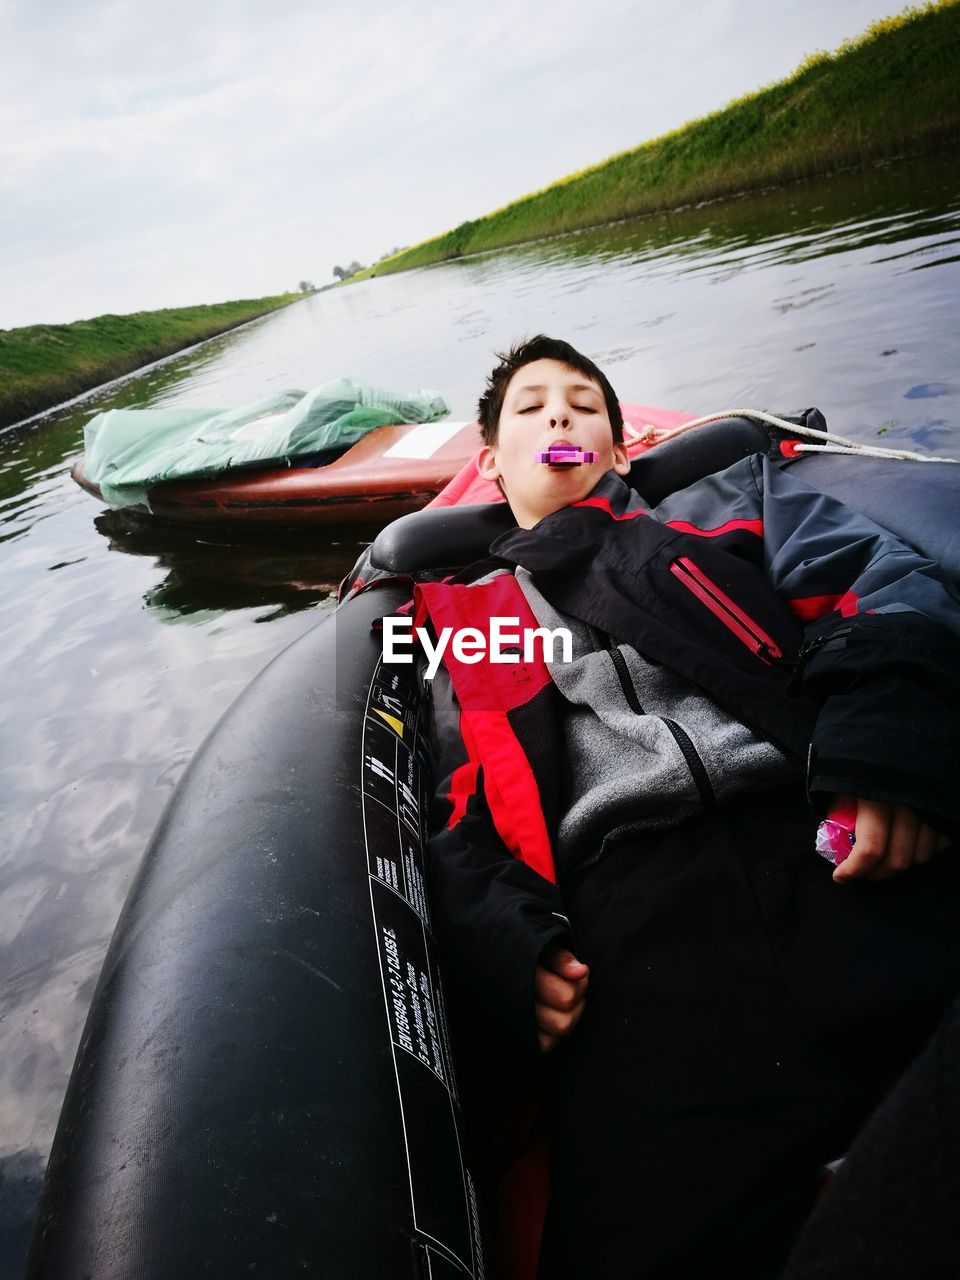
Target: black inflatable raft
265 1084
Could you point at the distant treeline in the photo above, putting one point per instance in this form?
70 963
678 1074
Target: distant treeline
45 364
893 91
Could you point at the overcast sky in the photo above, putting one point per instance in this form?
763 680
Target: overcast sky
192 151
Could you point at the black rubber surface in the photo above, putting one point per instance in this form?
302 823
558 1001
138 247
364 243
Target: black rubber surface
234 1105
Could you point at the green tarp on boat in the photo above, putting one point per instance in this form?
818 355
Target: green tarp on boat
127 451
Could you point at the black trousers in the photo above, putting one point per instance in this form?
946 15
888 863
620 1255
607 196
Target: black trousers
892 1210
745 1015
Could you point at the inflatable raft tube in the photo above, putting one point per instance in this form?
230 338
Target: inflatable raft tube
264 1084
390 471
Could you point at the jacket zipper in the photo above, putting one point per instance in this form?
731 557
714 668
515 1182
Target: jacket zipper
726 611
626 684
696 766
683 740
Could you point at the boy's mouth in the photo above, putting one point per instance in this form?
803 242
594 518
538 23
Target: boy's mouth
563 454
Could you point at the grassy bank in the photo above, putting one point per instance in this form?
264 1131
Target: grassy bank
43 364
892 91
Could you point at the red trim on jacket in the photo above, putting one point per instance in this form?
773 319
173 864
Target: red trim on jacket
484 685
681 526
603 504
810 608
487 692
747 630
751 526
849 604
511 790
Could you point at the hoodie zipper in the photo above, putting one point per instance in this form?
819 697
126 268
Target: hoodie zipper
683 740
726 611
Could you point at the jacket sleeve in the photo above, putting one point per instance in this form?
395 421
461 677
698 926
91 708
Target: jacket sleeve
881 651
493 915
881 647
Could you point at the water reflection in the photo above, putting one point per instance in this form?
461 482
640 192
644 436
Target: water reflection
207 574
885 205
844 293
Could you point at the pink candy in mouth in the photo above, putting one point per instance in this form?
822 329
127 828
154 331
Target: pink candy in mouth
566 455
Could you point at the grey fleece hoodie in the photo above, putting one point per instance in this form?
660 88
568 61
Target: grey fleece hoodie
645 748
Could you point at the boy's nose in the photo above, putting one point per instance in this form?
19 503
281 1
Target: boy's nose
559 418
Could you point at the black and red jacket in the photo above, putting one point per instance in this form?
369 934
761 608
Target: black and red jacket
802 618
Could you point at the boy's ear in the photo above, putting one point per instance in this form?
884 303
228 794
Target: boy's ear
621 463
487 463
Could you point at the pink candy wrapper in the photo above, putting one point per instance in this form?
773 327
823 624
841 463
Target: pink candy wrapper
835 835
566 455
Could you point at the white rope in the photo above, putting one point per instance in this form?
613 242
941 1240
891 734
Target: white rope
874 451
830 443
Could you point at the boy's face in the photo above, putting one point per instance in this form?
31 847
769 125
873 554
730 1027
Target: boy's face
546 401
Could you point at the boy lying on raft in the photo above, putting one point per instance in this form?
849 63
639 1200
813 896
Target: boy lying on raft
623 867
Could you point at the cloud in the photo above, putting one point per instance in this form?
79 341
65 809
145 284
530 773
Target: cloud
151 155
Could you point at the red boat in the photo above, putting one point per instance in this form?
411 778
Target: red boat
390 471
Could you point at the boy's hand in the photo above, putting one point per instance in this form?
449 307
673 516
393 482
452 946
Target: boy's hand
560 993
889 839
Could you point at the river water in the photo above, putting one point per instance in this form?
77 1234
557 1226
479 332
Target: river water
121 647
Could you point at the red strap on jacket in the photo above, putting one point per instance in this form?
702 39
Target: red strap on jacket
487 692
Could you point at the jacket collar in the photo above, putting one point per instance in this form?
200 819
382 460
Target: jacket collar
611 494
571 526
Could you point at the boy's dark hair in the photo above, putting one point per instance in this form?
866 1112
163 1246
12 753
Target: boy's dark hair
541 348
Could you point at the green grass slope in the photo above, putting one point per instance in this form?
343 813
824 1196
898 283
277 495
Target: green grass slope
892 91
43 364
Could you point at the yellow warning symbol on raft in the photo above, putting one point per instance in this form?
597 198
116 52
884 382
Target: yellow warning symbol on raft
395 724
